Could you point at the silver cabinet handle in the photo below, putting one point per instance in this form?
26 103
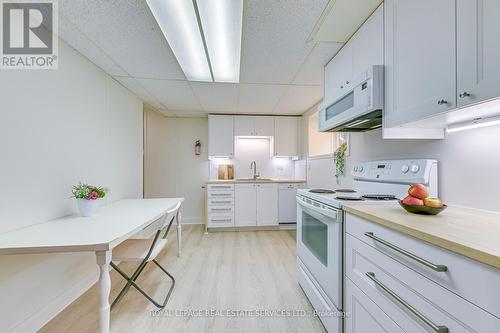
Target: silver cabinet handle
346 82
435 328
220 202
222 195
221 209
222 220
442 102
464 94
437 268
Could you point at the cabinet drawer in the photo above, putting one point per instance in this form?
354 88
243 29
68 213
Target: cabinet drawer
220 220
472 280
384 280
220 187
289 186
221 209
221 201
220 194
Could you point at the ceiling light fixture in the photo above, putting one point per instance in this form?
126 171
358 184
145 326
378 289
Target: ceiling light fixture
475 123
179 24
205 36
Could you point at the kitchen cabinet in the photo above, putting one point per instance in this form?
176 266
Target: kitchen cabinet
245 205
478 50
338 73
420 59
220 136
286 136
287 203
253 126
267 204
256 204
220 205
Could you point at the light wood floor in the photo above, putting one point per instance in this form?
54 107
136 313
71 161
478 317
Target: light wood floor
246 270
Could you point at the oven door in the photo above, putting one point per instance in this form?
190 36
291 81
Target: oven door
319 245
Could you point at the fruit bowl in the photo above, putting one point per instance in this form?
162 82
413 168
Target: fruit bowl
423 210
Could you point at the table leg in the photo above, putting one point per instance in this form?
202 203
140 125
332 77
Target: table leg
103 258
179 234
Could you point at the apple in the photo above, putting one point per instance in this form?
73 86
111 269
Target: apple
418 191
409 200
433 202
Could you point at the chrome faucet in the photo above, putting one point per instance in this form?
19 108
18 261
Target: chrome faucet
253 166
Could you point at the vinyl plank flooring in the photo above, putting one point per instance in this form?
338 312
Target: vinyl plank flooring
218 272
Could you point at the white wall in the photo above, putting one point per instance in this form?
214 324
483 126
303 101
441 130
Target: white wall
171 167
469 169
58 127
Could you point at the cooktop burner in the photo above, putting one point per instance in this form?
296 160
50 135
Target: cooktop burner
319 190
380 197
350 198
345 190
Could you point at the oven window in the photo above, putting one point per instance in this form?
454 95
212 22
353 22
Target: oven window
315 237
345 103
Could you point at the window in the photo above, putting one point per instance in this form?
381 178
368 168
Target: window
319 143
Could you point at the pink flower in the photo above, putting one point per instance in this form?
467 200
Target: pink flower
92 196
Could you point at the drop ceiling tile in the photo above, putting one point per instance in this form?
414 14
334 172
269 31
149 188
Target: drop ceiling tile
167 113
299 99
312 71
174 95
259 98
127 32
217 97
274 43
131 84
76 39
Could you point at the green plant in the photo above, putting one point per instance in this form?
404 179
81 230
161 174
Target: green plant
339 157
89 192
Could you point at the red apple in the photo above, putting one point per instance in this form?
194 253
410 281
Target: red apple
409 200
418 191
433 202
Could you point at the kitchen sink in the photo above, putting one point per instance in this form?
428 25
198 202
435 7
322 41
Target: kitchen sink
254 180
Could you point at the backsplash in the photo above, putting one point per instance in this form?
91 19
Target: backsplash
258 150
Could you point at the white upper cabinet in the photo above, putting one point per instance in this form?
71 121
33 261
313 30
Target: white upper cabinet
267 204
253 126
338 72
420 59
478 50
220 136
286 136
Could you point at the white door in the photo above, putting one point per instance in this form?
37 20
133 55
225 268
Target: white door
286 136
245 205
244 126
220 136
267 204
263 126
420 59
478 50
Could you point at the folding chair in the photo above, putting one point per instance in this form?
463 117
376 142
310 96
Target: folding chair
144 251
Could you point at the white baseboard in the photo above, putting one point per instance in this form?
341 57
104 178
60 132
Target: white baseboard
193 220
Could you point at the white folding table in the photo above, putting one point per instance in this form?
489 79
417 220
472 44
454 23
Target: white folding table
113 223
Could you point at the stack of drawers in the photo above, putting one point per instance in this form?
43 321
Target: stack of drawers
220 205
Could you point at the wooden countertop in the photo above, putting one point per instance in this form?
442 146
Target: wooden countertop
233 181
470 232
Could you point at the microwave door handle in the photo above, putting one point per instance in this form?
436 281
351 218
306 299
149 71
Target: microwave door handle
322 210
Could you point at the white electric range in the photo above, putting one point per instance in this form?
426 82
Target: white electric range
320 230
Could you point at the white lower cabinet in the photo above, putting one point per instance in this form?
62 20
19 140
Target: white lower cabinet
256 204
220 205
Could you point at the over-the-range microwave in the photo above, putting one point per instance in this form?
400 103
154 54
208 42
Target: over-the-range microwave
359 108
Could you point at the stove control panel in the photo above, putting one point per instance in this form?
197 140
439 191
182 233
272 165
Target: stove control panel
398 171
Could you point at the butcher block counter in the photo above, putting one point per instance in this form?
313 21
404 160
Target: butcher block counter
470 232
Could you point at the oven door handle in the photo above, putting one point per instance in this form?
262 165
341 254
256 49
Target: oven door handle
319 208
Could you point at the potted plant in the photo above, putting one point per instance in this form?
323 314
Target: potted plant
339 157
86 197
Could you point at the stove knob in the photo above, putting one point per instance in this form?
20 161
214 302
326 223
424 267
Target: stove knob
415 168
356 168
360 169
405 168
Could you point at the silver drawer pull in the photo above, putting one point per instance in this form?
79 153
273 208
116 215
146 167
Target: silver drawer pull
222 220
222 186
222 194
437 268
220 202
436 328
222 209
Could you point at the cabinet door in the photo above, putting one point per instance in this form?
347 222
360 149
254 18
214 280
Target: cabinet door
244 126
368 43
478 50
267 204
263 126
245 206
363 315
287 204
220 136
338 73
420 59
286 136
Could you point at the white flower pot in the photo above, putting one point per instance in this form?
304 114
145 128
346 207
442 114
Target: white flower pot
86 207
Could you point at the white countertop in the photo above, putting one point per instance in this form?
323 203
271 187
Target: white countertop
272 180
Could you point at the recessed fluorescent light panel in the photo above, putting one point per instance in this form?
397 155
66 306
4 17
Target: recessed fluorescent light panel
222 23
178 22
205 36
